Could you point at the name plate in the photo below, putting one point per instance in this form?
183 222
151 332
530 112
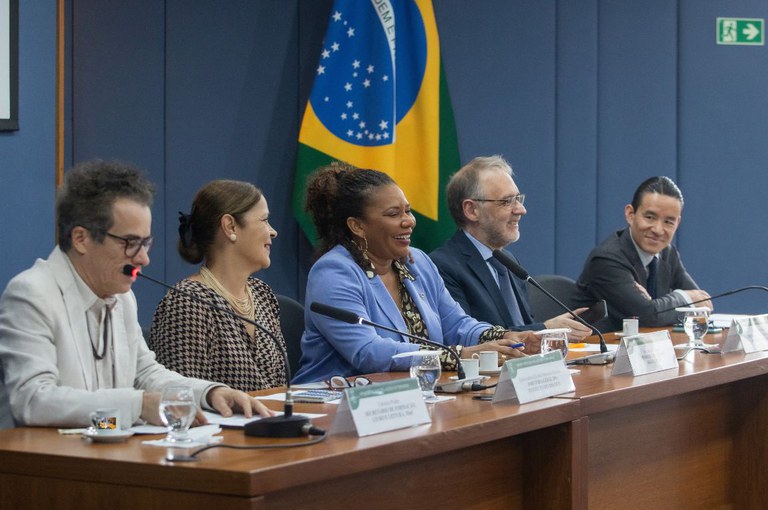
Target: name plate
645 353
747 333
381 407
534 378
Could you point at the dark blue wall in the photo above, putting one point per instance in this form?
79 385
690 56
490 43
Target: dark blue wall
27 156
585 98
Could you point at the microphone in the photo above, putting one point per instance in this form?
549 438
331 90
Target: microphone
352 318
604 357
727 293
286 425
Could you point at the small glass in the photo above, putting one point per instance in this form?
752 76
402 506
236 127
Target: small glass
425 366
554 340
695 324
177 411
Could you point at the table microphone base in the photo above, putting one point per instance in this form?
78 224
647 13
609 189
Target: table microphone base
278 426
602 358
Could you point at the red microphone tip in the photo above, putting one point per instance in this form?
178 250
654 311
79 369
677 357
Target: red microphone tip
132 271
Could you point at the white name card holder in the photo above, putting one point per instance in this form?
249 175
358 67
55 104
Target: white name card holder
533 378
381 407
747 333
645 353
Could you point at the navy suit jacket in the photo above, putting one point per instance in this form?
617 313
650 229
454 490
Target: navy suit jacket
471 283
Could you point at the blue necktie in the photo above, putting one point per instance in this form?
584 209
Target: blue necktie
505 285
651 283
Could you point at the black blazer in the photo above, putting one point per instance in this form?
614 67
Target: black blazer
471 283
610 273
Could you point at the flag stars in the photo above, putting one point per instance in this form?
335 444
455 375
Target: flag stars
354 75
347 86
370 69
359 136
385 78
326 99
355 116
343 116
366 83
320 70
383 125
385 136
356 64
350 132
337 16
326 54
361 125
350 104
335 46
351 32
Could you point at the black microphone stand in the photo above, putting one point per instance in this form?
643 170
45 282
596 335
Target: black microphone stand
352 318
604 357
286 425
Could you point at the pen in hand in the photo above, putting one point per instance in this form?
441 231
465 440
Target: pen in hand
517 346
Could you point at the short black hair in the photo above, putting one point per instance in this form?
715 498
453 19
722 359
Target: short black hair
660 184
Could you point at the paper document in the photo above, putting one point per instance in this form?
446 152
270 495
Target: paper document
723 320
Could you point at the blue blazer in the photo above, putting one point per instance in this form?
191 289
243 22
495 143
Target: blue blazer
331 347
470 282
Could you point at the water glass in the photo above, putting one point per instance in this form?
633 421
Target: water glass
695 323
425 366
554 340
177 411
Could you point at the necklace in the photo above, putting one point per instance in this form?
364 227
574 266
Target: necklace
243 307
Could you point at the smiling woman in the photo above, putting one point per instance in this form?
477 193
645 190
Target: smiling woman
369 268
228 230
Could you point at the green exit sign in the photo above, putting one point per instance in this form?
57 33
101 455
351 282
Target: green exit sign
743 31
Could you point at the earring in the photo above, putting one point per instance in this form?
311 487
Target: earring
369 270
233 237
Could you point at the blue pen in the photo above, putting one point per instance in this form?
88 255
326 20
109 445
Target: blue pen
516 346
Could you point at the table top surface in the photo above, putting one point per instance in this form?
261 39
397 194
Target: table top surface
457 423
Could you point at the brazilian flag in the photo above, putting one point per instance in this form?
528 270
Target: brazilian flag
379 101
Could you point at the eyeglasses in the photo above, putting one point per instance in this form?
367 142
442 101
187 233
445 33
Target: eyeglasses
133 244
339 382
505 202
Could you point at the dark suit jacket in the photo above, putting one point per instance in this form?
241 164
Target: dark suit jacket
471 283
610 273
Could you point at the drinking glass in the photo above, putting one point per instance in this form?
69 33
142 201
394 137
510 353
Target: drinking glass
177 411
555 340
425 366
695 324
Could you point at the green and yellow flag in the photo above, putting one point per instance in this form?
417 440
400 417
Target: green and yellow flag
380 101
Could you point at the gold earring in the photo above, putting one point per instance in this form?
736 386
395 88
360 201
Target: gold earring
369 270
233 237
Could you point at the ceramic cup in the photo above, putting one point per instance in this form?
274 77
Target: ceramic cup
489 360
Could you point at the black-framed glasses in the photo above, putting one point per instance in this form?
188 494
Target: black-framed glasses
339 382
133 244
508 202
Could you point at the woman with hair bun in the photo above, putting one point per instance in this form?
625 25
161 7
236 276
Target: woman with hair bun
368 267
228 231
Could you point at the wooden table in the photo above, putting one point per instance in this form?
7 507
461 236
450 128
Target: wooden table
691 438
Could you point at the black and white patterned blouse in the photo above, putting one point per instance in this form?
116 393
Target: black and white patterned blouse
198 341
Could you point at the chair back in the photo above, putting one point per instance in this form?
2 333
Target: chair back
292 325
542 307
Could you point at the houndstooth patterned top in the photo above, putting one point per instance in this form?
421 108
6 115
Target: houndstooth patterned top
198 341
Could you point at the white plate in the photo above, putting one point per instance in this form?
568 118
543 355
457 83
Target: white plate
114 437
493 371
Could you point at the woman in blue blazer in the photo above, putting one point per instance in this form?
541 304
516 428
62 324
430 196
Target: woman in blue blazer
369 268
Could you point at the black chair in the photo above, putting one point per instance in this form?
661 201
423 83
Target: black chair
542 307
292 324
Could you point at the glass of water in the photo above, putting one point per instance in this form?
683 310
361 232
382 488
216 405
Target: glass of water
695 324
177 411
425 366
554 340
